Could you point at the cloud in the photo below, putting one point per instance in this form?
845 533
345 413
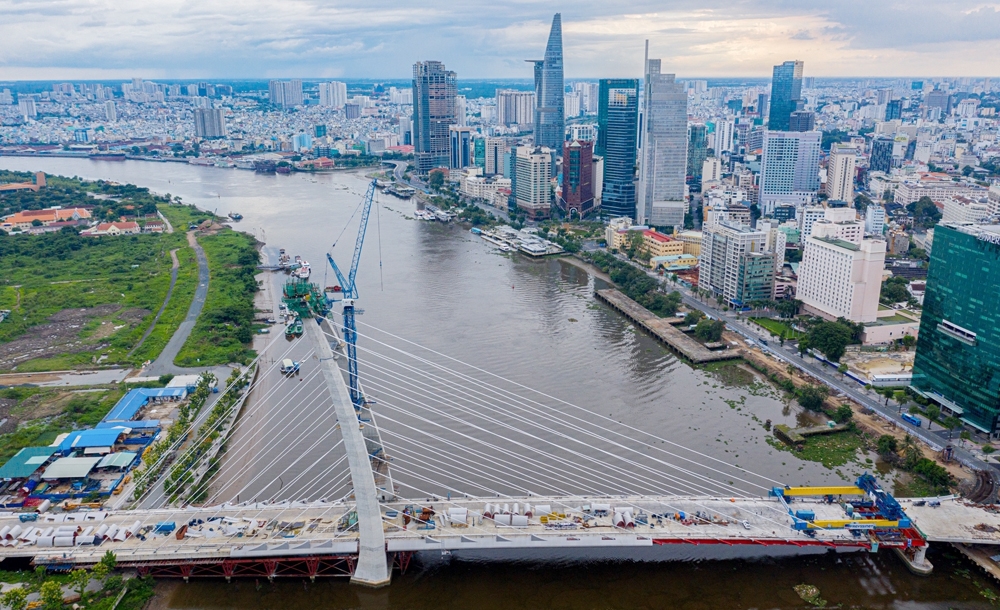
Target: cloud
478 39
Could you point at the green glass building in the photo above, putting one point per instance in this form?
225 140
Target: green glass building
957 362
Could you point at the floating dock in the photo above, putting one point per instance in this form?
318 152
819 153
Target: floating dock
662 329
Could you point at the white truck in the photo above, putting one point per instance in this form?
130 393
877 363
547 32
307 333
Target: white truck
289 366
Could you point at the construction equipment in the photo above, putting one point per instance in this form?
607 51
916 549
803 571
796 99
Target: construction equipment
350 293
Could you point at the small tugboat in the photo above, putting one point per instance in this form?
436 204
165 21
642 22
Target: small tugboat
304 271
236 216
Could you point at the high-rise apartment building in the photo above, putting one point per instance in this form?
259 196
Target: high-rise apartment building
938 99
697 150
493 156
789 170
735 264
110 112
711 170
286 94
210 122
958 346
722 140
26 108
786 94
572 105
515 108
840 275
617 119
874 219
894 110
550 120
663 150
333 94
532 181
460 146
880 159
434 90
840 173
577 178
589 96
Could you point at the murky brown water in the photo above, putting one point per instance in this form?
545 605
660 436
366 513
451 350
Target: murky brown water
534 322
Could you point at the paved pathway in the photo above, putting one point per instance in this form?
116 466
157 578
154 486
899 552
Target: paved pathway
164 364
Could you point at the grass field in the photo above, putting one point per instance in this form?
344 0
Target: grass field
776 327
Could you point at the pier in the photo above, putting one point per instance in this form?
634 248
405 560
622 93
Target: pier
662 329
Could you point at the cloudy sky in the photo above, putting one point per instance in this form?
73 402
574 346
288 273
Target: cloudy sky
67 39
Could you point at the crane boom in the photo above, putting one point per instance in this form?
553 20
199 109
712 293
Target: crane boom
350 293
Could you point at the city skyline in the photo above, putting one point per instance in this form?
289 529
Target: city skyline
848 39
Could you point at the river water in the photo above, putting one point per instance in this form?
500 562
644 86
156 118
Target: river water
535 323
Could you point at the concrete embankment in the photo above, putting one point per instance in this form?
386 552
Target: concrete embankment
662 329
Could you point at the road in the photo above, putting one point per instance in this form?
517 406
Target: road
164 363
829 377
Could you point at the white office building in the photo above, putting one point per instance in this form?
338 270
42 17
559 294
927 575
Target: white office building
840 173
110 112
874 219
807 216
533 173
725 251
711 170
961 209
789 171
840 278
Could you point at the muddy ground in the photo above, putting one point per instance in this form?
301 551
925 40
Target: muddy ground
61 334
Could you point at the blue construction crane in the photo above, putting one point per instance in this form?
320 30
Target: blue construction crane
350 293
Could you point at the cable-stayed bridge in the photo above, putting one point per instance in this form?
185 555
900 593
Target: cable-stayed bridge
441 456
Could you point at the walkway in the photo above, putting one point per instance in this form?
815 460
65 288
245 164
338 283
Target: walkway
164 364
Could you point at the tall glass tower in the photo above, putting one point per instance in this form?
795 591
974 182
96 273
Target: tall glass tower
617 129
786 94
550 120
434 90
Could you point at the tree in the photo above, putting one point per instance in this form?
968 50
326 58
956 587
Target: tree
925 213
909 341
842 368
100 571
693 317
110 560
933 412
843 414
830 338
436 179
894 290
15 599
709 330
952 423
812 397
803 346
79 579
887 445
51 595
788 308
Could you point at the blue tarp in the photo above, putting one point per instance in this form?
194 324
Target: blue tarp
136 399
81 439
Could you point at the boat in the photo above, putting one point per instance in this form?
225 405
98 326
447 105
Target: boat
108 156
236 216
283 259
476 231
333 288
304 271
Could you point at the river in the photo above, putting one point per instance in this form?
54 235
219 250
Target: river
536 323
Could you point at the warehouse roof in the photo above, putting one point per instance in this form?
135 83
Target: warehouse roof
136 399
81 439
122 459
70 468
25 462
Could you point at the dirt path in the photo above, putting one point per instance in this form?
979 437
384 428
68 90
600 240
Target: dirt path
170 291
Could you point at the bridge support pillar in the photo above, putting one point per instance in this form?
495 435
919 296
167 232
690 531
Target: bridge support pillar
373 564
917 564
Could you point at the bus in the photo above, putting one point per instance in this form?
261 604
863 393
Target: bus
912 419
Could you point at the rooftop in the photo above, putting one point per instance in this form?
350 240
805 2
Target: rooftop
25 462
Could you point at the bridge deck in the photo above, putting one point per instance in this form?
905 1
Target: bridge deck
302 530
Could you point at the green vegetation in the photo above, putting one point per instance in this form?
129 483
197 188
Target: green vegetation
637 285
894 291
779 328
709 330
831 450
812 397
43 414
49 587
225 326
909 458
925 213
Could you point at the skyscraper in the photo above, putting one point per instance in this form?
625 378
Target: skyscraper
697 150
515 107
663 150
460 139
881 156
286 94
549 117
894 110
433 113
840 173
958 346
786 92
210 122
333 94
110 111
789 169
493 162
533 172
802 120
617 119
577 177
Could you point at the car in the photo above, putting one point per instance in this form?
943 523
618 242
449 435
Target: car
264 331
745 524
